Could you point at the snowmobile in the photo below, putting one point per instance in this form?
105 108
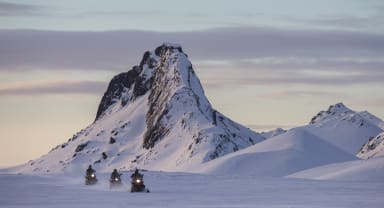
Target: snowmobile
90 179
115 181
138 184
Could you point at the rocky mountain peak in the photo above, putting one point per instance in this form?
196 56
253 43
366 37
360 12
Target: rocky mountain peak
338 108
127 86
174 87
333 111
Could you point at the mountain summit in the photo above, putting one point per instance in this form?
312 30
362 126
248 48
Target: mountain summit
335 110
154 116
345 128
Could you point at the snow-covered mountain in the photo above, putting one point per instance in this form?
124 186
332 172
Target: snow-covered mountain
154 116
345 128
373 148
332 137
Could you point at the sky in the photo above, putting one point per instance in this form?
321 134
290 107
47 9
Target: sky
263 63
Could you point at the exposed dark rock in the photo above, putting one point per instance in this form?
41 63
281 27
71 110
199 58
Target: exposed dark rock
145 59
214 120
154 135
80 147
124 82
223 141
159 51
141 86
158 100
104 155
250 140
116 88
112 140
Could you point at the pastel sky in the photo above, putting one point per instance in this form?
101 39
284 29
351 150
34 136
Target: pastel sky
263 63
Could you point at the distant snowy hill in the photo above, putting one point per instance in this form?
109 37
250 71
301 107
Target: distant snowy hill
287 153
332 137
345 128
373 148
154 116
272 133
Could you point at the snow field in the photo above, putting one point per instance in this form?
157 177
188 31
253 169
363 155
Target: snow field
188 190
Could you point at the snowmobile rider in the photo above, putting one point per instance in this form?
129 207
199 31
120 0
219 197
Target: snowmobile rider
136 174
137 182
90 170
115 174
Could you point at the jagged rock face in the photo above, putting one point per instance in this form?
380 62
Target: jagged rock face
169 89
127 86
158 100
116 89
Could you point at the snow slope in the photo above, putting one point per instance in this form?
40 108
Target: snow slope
154 116
282 155
175 190
373 119
360 170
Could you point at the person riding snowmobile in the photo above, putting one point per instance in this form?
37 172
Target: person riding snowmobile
115 174
115 178
137 182
90 176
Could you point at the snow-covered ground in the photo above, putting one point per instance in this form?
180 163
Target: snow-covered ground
187 190
358 170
